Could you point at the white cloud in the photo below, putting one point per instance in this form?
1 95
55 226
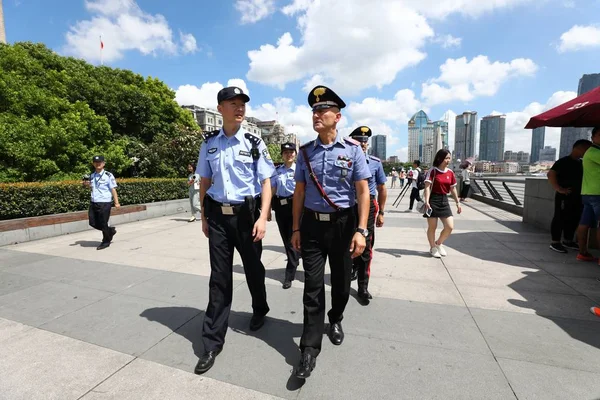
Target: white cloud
314 81
518 138
295 118
188 43
377 42
579 38
254 10
464 80
206 94
124 26
472 8
403 106
448 41
402 154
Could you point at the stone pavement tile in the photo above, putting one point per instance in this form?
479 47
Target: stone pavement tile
9 329
472 240
542 237
580 270
118 323
12 282
414 290
543 382
39 304
43 365
559 342
175 288
378 369
284 304
517 279
10 257
260 360
405 255
527 302
587 286
486 264
503 256
547 255
519 246
150 381
448 327
419 271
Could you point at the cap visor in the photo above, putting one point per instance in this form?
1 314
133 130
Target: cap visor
242 96
362 139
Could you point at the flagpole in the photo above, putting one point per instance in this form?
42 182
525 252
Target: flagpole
101 51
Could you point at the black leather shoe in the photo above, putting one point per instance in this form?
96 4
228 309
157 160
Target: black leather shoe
287 284
206 362
364 294
113 232
336 334
354 275
306 366
103 245
257 322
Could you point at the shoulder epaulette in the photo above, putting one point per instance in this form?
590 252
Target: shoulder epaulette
255 140
351 141
208 135
374 158
307 144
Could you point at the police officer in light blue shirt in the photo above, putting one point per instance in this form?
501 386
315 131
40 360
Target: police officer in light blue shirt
283 186
235 169
329 171
104 189
378 197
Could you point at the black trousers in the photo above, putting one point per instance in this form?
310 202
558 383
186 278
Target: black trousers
567 212
226 232
466 188
319 240
414 195
362 263
98 216
283 216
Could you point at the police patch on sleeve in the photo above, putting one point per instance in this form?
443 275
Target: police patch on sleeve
266 154
213 150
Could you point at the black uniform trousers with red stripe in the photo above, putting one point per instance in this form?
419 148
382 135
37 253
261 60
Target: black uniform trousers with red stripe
320 240
362 263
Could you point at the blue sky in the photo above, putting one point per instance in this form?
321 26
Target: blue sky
386 58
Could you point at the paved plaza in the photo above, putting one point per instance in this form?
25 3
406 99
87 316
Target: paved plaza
501 317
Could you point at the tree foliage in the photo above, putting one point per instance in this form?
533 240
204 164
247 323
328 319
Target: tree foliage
275 152
57 112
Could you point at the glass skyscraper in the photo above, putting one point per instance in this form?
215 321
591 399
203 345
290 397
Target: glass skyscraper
420 138
461 136
491 137
537 143
379 146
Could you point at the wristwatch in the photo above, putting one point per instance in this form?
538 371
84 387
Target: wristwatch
362 231
381 212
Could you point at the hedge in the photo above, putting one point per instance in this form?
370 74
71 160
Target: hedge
19 200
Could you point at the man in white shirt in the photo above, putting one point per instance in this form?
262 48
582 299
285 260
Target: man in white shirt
414 184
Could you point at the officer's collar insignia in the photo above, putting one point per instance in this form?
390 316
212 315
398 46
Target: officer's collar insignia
320 91
213 150
364 129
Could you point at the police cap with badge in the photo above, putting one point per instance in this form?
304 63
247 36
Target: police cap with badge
321 97
230 92
288 146
361 134
98 159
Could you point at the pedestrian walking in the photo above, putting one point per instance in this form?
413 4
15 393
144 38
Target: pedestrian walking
193 183
439 182
235 168
331 173
361 266
566 176
394 178
402 178
590 195
466 181
283 185
103 190
415 178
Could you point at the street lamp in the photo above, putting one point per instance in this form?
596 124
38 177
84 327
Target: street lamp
467 121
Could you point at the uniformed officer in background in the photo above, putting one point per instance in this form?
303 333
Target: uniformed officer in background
378 196
235 168
329 171
104 190
283 185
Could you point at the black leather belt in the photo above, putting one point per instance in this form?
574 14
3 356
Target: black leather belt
327 217
284 201
226 208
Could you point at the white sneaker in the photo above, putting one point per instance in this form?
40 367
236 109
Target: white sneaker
442 250
192 219
435 252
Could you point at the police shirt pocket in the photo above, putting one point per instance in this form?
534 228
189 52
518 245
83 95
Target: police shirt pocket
343 168
243 164
214 160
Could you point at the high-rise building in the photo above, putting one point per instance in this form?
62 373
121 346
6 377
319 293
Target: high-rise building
464 135
420 138
537 143
491 137
547 154
520 157
569 135
379 146
2 31
393 159
442 128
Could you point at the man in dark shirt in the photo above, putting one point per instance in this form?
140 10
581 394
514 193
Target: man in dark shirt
565 177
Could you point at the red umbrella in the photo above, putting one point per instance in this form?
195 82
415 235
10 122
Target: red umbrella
582 111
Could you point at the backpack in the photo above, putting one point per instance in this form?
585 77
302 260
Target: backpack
420 180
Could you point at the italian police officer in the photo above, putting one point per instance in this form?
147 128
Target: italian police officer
378 196
331 173
283 185
235 168
104 190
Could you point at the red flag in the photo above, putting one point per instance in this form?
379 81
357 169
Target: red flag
101 44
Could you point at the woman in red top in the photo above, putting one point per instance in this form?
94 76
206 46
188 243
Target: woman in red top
439 182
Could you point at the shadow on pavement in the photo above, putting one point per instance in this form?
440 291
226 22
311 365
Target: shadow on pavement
277 249
404 252
281 338
86 243
278 274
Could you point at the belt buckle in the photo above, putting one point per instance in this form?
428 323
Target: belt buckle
323 217
227 209
283 202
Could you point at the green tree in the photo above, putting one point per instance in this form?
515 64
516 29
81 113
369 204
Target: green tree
275 152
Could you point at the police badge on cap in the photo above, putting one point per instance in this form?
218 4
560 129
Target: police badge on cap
322 97
231 92
98 159
288 146
362 134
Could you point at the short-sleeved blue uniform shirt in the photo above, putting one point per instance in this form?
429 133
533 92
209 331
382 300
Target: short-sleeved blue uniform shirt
283 181
102 185
377 174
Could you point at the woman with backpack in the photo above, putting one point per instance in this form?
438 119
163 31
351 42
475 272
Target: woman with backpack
439 182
